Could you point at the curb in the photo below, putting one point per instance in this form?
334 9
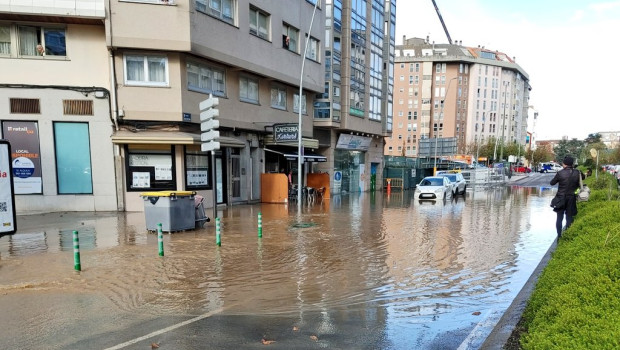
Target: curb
508 322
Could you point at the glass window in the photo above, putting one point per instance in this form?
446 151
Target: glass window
222 9
296 103
290 37
313 49
73 168
197 173
150 167
248 89
41 41
5 40
278 97
206 79
259 23
146 70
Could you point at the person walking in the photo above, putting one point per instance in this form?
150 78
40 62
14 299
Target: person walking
568 182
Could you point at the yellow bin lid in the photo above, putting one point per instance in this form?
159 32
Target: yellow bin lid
168 194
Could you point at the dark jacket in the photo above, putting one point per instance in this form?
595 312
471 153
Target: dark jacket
568 181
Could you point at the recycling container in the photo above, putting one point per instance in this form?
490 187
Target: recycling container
174 210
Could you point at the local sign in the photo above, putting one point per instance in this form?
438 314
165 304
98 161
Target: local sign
285 132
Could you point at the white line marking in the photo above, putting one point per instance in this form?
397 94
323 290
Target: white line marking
476 332
164 330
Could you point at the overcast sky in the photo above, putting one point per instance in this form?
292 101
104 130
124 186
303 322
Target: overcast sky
569 49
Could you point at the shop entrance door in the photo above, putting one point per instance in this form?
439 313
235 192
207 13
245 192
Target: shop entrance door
235 173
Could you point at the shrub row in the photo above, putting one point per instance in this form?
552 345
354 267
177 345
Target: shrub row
576 302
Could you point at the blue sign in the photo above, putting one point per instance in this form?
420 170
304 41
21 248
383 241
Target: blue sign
187 117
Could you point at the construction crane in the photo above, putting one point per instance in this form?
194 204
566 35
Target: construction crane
442 22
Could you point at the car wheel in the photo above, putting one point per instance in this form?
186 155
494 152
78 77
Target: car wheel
464 190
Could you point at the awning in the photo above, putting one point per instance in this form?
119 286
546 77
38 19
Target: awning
292 155
170 137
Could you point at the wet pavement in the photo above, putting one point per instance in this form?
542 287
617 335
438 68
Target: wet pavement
364 271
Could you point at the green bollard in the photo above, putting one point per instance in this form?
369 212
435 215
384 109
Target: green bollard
260 225
218 238
160 240
76 252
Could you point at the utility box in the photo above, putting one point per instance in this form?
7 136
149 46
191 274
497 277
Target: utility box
174 210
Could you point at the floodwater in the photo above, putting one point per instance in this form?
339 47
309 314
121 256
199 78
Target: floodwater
366 271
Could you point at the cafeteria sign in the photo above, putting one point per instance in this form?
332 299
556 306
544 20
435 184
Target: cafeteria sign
285 132
7 197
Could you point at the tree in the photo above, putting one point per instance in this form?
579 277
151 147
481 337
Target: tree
564 148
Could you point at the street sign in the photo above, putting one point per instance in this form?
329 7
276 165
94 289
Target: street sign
209 124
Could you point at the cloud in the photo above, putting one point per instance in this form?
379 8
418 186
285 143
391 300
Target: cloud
577 15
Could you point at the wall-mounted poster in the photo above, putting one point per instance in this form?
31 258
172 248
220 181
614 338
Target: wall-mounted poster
141 180
25 155
7 199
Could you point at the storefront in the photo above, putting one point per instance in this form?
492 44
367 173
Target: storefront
357 161
173 161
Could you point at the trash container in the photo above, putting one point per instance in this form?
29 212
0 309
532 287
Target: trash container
174 210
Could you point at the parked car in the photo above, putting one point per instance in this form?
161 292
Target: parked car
433 187
459 185
550 167
522 169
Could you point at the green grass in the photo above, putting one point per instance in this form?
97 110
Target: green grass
576 302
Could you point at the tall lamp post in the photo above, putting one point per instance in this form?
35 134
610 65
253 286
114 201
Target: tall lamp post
437 124
300 149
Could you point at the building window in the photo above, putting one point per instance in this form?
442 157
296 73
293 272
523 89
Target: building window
278 97
313 49
72 148
206 79
5 40
259 23
150 167
197 174
221 9
290 37
146 70
41 41
296 103
248 89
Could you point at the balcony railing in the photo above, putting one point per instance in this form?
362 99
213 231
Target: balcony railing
77 8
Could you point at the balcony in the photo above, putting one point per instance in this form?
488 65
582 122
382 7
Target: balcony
64 8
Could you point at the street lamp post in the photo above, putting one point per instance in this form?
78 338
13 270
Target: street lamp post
436 123
300 150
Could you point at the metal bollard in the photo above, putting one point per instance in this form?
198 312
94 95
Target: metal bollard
260 225
76 252
160 240
218 238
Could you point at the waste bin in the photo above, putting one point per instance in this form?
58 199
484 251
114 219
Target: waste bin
174 210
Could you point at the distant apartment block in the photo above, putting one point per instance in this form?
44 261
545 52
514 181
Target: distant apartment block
452 91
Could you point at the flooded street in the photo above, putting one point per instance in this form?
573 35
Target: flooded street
363 271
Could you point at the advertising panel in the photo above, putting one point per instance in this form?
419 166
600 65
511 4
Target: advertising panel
25 156
7 198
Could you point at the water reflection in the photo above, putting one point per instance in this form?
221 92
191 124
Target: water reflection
397 270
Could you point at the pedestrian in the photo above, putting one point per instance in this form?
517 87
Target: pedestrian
589 172
568 182
290 177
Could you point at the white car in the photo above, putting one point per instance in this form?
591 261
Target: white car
459 185
433 188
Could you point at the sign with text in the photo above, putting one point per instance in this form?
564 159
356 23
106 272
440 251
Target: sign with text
25 156
353 142
7 197
285 132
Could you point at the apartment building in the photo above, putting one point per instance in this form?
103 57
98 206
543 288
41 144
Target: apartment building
246 53
452 91
55 105
354 111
